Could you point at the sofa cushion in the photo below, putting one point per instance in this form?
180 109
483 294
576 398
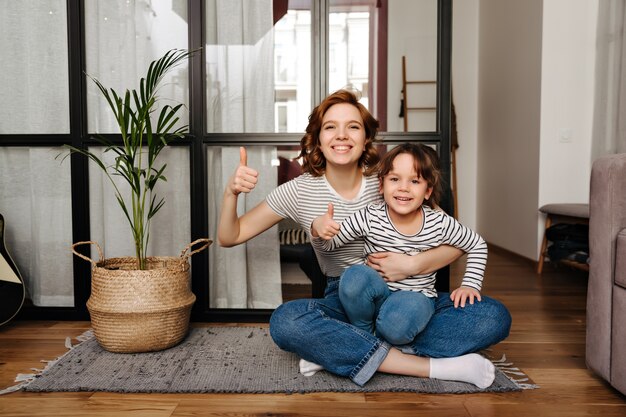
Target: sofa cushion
620 259
618 341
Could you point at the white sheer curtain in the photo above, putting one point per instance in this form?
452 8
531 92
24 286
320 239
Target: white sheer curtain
609 130
35 201
240 84
122 38
170 229
248 275
33 41
240 66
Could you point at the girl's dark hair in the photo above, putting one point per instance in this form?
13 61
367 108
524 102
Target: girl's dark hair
313 160
426 165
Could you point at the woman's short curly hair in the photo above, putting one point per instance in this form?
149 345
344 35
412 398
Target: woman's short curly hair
313 160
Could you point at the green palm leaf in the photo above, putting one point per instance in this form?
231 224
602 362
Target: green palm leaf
141 145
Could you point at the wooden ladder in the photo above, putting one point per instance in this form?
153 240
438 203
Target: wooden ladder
405 112
405 103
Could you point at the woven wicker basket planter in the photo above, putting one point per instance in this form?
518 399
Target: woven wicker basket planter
140 310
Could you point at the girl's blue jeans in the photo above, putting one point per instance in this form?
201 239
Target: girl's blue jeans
395 316
319 331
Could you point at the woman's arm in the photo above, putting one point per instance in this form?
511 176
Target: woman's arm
232 229
397 266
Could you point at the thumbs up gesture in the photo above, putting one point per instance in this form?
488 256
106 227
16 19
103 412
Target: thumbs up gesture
244 179
324 226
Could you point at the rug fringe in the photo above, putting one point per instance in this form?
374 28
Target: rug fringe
25 379
508 370
13 388
88 334
501 360
528 386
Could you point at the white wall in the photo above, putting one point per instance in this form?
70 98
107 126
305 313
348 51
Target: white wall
509 96
535 63
568 68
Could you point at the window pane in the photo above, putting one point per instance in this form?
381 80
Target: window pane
348 49
367 40
122 38
413 34
258 65
34 67
35 200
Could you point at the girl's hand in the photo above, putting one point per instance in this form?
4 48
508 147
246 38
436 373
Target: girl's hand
324 226
461 294
244 179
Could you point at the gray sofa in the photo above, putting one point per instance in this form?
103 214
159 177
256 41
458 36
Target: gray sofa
606 295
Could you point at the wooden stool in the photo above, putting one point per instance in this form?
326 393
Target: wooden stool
569 213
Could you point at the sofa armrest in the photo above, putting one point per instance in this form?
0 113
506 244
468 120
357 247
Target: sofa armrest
607 210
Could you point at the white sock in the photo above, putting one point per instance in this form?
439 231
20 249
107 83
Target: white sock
309 368
471 368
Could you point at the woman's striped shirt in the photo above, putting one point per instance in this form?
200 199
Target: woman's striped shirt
306 197
374 225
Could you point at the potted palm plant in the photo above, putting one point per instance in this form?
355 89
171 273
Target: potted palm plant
140 303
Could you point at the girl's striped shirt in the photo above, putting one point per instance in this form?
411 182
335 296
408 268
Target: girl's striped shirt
374 225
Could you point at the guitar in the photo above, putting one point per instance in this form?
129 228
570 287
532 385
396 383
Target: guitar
12 290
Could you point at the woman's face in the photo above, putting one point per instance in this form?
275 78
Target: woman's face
342 137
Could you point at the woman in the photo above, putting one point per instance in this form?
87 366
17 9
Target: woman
338 160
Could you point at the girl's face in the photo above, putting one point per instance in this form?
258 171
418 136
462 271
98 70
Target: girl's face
342 137
403 190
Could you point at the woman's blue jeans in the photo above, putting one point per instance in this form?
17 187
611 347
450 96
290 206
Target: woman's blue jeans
319 331
395 316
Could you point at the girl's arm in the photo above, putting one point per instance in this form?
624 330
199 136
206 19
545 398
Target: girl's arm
328 235
464 238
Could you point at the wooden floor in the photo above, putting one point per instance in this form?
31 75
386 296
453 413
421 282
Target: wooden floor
547 341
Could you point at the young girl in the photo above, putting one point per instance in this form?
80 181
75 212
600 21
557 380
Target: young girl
339 158
398 310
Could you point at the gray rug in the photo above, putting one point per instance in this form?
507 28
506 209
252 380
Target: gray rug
226 359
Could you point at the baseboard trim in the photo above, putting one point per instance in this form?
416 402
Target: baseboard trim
499 249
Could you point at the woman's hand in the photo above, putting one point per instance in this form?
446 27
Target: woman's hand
232 229
397 266
461 294
244 179
324 226
391 266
